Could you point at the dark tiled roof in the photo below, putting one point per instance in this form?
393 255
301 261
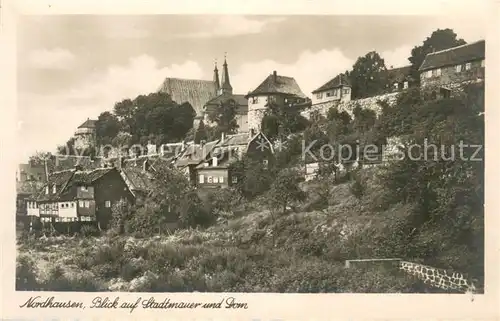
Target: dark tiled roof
88 177
275 84
89 123
137 179
60 180
64 180
397 75
336 82
195 92
454 56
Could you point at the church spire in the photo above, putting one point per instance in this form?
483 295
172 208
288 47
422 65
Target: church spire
226 86
216 78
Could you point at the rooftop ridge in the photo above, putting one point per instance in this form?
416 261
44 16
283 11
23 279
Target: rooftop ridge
456 47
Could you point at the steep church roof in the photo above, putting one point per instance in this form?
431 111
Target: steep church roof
194 91
275 84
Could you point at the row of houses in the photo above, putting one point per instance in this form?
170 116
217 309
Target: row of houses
88 194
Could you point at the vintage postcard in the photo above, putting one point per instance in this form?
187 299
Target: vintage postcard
249 161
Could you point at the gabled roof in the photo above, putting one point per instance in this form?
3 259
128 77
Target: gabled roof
89 123
194 91
195 153
64 180
239 99
336 82
454 56
397 75
275 84
233 140
60 180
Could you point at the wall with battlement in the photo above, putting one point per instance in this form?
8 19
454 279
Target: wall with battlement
348 106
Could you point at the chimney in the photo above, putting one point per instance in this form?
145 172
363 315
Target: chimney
275 76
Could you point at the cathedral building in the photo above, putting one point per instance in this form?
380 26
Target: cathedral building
205 96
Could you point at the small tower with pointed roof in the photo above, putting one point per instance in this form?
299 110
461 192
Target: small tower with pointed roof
226 87
216 78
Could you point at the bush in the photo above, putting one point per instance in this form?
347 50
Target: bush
88 230
26 279
357 187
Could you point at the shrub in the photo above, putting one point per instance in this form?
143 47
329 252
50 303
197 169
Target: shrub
88 230
357 187
26 274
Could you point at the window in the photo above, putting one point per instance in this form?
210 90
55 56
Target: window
209 179
428 74
396 86
458 68
46 190
72 205
202 179
216 179
84 188
346 91
265 163
54 189
328 94
405 85
107 204
319 95
87 204
436 72
482 63
335 92
467 66
81 204
255 100
234 180
221 179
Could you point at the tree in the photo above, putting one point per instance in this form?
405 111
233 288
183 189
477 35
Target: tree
285 190
225 117
281 120
445 187
439 40
368 76
107 127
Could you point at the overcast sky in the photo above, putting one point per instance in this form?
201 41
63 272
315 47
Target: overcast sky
74 67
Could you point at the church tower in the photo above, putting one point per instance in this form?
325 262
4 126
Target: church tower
216 79
226 87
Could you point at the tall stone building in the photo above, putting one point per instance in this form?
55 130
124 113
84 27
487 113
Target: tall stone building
85 135
277 89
